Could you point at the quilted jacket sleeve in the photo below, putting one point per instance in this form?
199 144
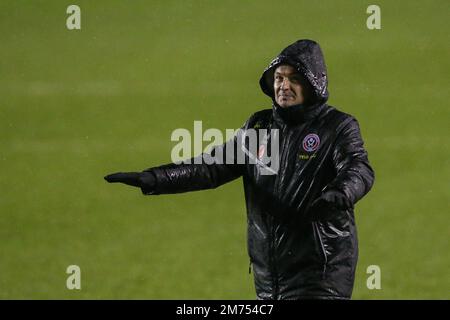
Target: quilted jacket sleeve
198 173
355 176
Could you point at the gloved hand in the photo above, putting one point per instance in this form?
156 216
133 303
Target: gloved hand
144 180
329 204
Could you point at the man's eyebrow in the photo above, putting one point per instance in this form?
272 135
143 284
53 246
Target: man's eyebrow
291 74
282 73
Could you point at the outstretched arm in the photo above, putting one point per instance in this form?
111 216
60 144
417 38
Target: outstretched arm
184 177
191 176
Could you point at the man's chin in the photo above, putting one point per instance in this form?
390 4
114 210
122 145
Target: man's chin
285 104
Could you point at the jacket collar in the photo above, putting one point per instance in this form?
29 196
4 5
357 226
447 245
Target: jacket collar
296 114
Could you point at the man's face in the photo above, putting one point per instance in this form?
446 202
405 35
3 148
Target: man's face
289 86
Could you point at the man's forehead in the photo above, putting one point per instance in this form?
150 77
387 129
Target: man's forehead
285 69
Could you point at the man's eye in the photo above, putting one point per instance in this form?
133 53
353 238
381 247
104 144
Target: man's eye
278 78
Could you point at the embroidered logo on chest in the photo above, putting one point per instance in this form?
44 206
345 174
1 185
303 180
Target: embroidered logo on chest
311 142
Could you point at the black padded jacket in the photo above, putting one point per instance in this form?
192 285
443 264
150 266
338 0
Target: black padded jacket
295 253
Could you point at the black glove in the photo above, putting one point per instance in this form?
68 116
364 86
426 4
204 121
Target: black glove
144 180
329 204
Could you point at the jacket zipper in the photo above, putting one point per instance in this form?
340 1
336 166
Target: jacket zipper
283 154
274 271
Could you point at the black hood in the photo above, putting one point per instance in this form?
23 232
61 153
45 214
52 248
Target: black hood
307 58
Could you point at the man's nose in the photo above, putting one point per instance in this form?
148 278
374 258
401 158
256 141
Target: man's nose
285 84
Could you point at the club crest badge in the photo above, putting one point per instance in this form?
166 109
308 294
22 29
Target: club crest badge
311 142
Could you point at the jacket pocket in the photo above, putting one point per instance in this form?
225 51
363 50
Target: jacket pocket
320 247
335 238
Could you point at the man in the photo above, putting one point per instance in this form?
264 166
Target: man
302 239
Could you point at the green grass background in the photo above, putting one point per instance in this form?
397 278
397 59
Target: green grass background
76 105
